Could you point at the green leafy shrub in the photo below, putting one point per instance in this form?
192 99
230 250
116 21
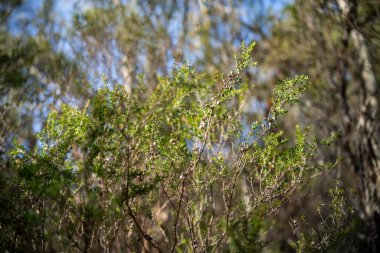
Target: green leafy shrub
171 171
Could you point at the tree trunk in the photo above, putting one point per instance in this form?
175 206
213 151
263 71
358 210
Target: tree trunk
365 152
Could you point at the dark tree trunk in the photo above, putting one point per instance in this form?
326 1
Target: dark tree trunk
364 150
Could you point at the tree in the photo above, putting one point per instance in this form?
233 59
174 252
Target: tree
336 44
34 74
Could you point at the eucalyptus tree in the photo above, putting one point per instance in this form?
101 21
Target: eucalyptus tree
336 43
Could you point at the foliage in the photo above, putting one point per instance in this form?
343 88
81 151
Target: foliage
336 43
336 230
160 172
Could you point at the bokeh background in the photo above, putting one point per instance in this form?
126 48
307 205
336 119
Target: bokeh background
55 52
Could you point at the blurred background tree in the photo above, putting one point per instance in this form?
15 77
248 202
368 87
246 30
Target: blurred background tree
337 45
35 72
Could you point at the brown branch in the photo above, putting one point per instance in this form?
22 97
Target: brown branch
146 236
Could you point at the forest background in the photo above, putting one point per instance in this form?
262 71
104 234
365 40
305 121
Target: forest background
189 126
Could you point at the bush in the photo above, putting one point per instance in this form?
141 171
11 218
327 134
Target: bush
174 170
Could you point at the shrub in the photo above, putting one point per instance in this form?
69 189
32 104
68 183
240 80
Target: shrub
174 170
